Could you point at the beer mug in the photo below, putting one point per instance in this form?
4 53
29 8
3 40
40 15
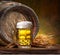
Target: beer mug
24 34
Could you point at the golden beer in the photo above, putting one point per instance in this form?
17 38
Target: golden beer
24 34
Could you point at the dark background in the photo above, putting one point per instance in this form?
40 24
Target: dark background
48 12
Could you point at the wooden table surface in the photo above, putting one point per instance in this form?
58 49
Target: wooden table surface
30 50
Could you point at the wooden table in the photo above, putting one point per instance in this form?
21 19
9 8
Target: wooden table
29 51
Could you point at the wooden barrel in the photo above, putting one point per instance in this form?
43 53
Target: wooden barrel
10 14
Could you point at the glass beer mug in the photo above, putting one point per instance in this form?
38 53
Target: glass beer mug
24 34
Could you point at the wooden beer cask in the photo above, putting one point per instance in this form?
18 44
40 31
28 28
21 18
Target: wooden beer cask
10 14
